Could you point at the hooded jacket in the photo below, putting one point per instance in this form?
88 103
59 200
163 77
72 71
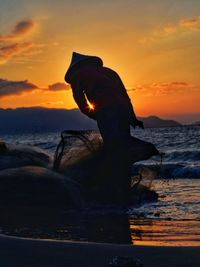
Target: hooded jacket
102 87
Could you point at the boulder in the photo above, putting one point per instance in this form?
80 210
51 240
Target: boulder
37 187
141 194
13 156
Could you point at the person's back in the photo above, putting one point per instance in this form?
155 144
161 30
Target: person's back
102 87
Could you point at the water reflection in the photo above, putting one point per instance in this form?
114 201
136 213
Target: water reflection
165 233
109 228
112 228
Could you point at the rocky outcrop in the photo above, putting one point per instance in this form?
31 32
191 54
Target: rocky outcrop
14 156
38 187
27 178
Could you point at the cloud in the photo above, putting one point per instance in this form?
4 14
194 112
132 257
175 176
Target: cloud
182 25
23 27
190 23
20 30
8 87
58 87
169 29
10 50
12 44
172 29
161 89
15 87
52 103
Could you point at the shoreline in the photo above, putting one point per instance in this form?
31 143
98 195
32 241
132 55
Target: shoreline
25 252
48 224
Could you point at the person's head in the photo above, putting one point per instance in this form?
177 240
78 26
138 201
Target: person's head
78 61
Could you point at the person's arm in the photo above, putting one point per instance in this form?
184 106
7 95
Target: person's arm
81 101
134 122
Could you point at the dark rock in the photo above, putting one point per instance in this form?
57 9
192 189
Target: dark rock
141 194
2 146
37 187
13 156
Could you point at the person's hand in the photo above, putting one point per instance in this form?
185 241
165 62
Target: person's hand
138 123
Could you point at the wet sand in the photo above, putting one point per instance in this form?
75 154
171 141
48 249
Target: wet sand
29 252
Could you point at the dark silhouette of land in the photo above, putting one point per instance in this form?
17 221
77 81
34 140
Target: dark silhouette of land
38 119
154 121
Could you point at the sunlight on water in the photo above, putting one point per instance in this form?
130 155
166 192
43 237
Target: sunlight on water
165 233
173 220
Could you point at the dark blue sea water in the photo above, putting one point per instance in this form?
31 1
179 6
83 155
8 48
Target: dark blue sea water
180 145
175 218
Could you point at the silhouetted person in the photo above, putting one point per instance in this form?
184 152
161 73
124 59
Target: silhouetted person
113 111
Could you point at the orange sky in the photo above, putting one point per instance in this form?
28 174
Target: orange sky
153 45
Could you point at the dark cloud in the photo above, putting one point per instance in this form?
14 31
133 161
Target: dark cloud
23 27
190 23
52 103
8 87
11 44
58 87
15 87
179 83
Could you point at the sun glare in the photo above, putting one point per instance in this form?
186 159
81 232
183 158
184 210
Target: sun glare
91 106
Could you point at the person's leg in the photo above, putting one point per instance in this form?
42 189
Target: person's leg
115 130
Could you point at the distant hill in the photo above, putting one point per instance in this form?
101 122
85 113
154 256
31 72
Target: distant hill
197 123
37 119
154 121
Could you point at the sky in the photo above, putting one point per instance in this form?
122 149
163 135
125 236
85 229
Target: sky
154 45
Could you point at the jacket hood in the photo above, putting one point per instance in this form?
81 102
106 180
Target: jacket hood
79 60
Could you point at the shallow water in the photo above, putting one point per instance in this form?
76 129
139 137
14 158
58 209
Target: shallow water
179 199
165 233
173 220
181 148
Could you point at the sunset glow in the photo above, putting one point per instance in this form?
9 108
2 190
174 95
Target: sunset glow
153 45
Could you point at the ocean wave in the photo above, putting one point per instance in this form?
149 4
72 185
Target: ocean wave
190 171
191 155
172 170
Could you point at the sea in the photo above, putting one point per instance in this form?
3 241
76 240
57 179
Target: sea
173 220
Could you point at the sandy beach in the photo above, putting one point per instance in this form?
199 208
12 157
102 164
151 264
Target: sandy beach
29 252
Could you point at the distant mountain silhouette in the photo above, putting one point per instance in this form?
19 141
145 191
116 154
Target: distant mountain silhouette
154 121
197 123
37 119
